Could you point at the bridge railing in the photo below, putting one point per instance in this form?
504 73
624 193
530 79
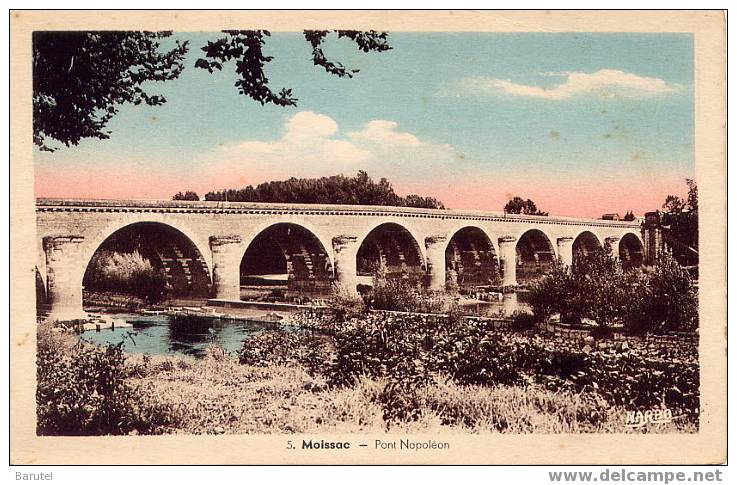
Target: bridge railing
316 209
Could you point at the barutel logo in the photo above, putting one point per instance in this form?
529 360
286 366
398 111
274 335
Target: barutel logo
638 419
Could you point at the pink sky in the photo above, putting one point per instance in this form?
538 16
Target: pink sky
311 144
589 199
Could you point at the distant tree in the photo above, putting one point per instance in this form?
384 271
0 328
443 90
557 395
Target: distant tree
413 200
80 79
629 216
188 195
682 216
518 205
337 189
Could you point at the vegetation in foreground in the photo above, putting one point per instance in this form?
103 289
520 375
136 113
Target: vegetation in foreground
373 373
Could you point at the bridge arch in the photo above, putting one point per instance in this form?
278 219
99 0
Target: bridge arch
91 244
470 256
287 253
631 251
316 230
171 253
393 246
535 255
585 243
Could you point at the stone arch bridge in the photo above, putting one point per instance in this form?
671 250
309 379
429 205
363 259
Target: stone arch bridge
221 243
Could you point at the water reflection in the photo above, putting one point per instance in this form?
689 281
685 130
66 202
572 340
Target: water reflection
512 302
181 335
192 335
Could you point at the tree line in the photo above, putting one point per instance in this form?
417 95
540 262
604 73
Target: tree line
336 189
682 215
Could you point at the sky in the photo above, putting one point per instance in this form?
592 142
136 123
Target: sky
583 124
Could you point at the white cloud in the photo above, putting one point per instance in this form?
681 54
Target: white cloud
307 125
309 138
605 83
384 132
312 145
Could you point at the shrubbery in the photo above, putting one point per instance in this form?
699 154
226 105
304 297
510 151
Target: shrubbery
523 321
81 390
287 348
128 273
399 294
653 300
666 301
406 293
410 350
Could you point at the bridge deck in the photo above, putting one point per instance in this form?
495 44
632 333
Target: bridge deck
157 205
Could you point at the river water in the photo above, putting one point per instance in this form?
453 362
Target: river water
162 335
190 336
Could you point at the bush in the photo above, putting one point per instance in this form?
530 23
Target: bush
409 349
595 287
523 321
406 294
451 281
668 302
395 295
602 333
381 345
127 273
552 294
81 390
287 348
474 356
600 290
401 402
343 306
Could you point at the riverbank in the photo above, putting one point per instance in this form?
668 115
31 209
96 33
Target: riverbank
276 387
216 395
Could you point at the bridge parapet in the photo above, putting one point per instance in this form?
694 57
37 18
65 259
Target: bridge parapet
217 207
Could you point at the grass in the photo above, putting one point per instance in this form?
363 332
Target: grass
217 395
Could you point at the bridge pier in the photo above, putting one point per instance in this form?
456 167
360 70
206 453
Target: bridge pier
508 260
613 243
227 252
565 250
345 249
435 246
64 273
